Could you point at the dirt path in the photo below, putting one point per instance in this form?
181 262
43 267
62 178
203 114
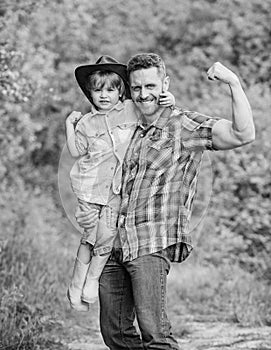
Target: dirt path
224 336
198 335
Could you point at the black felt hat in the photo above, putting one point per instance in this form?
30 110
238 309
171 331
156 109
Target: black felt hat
106 63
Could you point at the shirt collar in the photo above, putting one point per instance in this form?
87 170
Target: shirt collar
118 107
160 122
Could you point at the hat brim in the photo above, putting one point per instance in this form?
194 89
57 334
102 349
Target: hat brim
82 73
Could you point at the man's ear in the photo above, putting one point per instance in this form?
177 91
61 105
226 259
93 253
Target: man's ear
166 83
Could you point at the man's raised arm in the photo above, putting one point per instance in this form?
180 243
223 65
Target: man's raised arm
240 131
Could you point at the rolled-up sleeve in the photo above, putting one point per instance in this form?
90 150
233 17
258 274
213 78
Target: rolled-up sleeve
198 131
81 141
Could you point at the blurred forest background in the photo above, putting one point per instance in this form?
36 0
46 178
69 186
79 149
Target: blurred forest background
41 43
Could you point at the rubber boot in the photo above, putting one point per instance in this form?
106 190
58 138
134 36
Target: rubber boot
74 292
91 287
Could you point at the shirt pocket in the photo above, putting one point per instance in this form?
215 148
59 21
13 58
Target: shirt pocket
99 143
99 148
159 153
123 133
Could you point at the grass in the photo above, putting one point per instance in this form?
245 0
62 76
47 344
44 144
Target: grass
37 251
221 292
26 287
33 274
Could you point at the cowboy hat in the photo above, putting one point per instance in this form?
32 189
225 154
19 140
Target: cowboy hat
105 63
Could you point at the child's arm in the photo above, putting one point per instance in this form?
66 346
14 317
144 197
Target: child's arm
167 99
71 120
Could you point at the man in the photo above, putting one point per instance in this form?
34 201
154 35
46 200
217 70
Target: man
159 180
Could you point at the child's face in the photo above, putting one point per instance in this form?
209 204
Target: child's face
104 98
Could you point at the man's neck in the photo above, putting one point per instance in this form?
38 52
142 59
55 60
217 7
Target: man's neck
150 119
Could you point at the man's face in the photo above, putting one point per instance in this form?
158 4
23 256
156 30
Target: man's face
146 85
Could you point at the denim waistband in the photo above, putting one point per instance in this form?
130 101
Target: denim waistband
117 254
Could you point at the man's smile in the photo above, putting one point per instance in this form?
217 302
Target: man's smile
146 101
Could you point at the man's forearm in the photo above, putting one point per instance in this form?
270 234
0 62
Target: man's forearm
242 118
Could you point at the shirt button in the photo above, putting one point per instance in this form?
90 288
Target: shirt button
141 135
112 168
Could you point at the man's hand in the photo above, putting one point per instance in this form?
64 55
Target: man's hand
219 72
86 219
74 117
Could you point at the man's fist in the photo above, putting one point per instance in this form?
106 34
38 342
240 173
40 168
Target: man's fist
86 219
219 72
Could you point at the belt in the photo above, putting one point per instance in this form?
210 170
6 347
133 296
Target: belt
116 254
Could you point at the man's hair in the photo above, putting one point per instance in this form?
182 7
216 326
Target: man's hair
100 78
144 61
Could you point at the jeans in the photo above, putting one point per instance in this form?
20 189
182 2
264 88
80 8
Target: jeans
135 289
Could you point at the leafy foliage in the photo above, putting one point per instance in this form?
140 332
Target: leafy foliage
40 45
241 200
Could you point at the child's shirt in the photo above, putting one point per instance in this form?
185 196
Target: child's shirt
102 139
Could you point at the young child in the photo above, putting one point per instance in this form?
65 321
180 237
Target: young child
99 139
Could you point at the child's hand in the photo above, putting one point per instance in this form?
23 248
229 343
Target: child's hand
167 99
74 117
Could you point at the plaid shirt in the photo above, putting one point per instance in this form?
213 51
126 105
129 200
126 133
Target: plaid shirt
160 174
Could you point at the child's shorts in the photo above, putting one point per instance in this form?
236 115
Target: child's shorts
104 230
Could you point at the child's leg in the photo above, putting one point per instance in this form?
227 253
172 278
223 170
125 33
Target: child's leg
81 267
106 234
107 229
91 287
75 288
84 252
